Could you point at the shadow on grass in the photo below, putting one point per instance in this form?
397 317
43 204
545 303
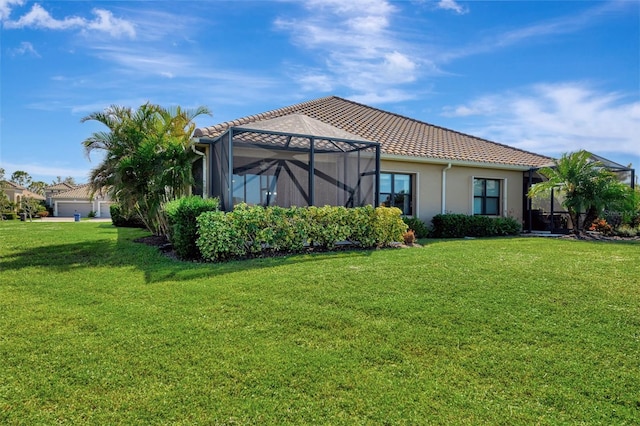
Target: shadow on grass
101 249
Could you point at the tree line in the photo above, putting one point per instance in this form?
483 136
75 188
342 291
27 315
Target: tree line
24 179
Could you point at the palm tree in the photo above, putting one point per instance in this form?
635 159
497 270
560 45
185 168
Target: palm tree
148 158
587 186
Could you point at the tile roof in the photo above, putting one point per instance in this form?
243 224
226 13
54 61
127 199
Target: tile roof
79 192
397 135
12 185
301 124
62 186
7 184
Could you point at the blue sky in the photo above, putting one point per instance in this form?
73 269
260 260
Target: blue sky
545 76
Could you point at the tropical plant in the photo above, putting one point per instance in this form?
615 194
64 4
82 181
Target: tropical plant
586 185
149 155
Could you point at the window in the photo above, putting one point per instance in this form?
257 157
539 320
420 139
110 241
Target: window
396 190
486 196
254 189
197 170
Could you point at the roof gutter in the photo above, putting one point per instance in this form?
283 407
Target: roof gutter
445 162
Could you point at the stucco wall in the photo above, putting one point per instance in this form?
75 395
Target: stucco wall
459 187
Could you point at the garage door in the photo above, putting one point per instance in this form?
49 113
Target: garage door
105 210
68 209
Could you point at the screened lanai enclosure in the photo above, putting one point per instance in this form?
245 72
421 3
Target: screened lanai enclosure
546 213
291 161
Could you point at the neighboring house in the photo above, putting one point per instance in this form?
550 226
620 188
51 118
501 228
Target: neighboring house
79 200
16 193
54 189
335 151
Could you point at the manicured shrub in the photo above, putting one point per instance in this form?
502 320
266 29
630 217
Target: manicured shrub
247 223
10 216
217 238
507 226
121 219
419 228
452 225
361 222
329 225
182 215
388 225
449 225
287 229
249 231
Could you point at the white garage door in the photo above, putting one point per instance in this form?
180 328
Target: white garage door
68 209
105 210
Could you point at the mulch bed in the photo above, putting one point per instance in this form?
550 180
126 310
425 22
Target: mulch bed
164 246
596 236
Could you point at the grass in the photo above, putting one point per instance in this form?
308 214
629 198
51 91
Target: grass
97 329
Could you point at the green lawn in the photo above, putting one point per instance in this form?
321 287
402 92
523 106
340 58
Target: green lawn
97 329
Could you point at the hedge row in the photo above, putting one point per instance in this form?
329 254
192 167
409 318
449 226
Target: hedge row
182 215
460 225
253 230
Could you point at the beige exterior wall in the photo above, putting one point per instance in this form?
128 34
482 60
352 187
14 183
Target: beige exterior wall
428 184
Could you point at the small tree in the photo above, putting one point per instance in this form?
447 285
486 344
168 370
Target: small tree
4 200
38 187
22 178
69 180
587 187
30 206
5 204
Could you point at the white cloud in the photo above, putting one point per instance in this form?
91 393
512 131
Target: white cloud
40 18
315 82
6 6
382 96
399 67
556 118
452 5
25 48
359 50
149 62
107 23
37 17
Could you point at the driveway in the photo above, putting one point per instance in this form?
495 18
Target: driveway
71 219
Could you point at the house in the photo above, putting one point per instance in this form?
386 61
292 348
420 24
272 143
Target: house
339 152
54 189
17 193
80 200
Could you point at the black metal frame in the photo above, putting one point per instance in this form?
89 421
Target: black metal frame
288 142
